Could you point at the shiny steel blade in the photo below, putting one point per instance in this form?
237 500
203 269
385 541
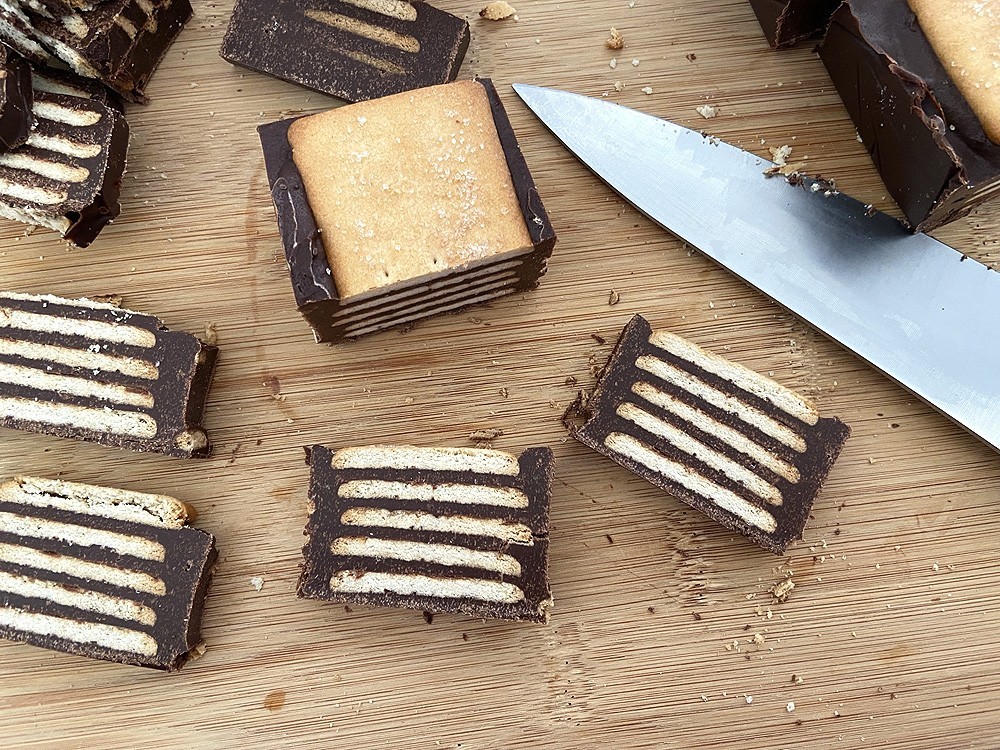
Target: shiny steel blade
916 309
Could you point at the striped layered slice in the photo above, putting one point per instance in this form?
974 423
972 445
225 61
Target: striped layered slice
119 42
99 572
67 176
352 49
437 529
94 371
734 444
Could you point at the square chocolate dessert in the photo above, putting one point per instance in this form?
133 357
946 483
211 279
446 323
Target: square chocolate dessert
741 448
385 223
902 76
786 22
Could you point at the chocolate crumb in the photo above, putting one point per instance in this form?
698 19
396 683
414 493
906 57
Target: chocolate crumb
611 539
651 610
465 636
598 338
570 381
348 609
696 615
691 56
504 392
428 617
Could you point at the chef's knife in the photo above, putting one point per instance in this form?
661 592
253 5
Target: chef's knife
919 311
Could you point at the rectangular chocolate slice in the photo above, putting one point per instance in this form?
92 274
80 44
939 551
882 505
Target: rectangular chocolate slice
16 98
926 141
786 22
100 572
68 83
119 42
352 49
437 529
384 224
742 449
89 370
68 174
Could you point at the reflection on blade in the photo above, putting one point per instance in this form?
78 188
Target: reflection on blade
916 309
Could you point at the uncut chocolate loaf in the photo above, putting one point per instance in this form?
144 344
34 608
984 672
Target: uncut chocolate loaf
439 529
786 22
384 223
101 572
94 371
742 449
929 145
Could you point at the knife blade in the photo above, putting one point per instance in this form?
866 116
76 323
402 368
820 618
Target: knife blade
922 313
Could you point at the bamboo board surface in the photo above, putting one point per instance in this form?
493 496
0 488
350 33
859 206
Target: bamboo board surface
890 630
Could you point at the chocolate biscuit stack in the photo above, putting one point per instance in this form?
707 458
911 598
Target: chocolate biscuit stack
119 42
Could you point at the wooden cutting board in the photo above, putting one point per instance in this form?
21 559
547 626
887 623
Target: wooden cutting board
664 634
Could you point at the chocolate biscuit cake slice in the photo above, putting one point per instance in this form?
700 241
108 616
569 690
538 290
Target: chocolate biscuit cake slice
737 446
437 529
101 572
119 42
68 174
385 224
89 370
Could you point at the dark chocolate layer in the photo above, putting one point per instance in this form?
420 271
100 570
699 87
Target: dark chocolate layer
347 49
786 22
459 547
143 387
38 571
707 440
312 279
16 98
924 138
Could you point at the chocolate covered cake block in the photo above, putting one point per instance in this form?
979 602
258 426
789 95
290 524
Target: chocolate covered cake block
100 572
384 223
786 22
461 530
89 370
926 140
67 177
119 42
744 450
16 99
352 49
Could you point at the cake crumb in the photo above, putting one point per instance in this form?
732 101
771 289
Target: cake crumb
780 154
619 86
497 11
485 437
614 298
616 40
257 582
707 111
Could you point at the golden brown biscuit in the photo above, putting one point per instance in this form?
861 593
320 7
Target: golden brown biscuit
408 185
965 35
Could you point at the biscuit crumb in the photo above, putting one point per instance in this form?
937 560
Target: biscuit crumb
782 589
790 706
211 335
616 40
647 90
614 298
257 582
497 11
504 392
485 437
707 111
780 154
619 86
275 386
115 300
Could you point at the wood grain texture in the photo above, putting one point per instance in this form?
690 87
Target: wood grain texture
651 640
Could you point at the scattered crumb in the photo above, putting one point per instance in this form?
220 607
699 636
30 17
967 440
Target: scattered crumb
211 335
428 617
757 638
497 11
465 636
790 707
691 56
635 62
275 386
504 392
257 582
780 154
796 679
485 437
619 86
198 651
598 338
611 539
935 567
570 381
614 298
616 40
647 90
786 170
115 300
749 699
782 589
613 63
707 111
